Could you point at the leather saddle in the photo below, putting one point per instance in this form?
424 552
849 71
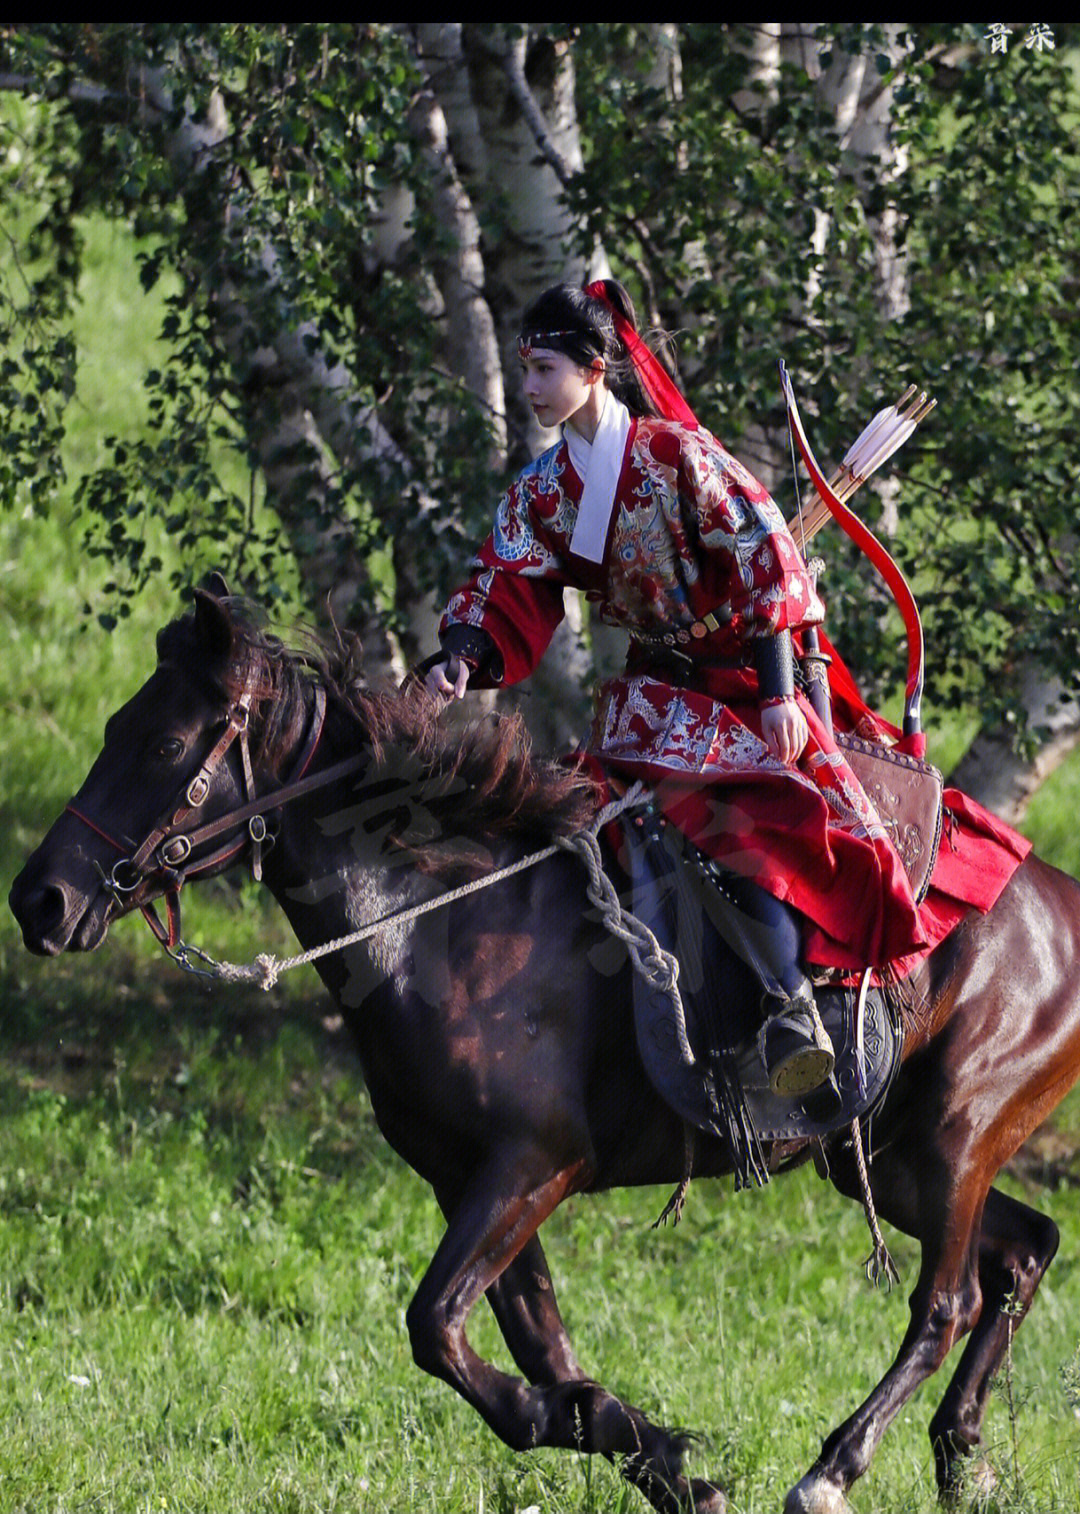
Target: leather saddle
709 1068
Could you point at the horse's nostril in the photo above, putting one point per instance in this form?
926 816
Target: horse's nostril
40 910
52 904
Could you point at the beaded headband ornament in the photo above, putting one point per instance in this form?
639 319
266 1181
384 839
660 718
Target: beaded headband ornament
546 341
653 378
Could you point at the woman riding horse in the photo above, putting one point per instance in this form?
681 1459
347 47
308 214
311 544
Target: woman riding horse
672 539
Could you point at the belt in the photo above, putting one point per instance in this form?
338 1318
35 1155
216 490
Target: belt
680 636
679 667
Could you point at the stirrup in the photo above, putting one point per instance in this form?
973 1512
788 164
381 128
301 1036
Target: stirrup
795 1048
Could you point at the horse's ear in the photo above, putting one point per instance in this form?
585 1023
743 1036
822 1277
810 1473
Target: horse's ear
214 584
213 624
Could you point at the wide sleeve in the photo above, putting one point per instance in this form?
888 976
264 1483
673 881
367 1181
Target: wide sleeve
740 526
514 592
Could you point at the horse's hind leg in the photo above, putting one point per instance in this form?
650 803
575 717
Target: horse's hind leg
492 1222
1016 1245
925 1199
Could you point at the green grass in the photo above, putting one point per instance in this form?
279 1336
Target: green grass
204 1263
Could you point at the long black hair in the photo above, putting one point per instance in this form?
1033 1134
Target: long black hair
568 319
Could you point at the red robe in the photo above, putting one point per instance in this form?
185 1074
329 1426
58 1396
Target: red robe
692 532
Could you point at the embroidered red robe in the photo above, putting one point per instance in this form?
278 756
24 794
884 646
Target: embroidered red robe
692 532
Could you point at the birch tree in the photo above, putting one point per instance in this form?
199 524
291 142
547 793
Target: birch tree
354 215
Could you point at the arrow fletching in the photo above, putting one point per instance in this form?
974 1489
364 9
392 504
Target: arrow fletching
885 434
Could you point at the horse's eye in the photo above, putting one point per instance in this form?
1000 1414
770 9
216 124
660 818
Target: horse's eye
169 749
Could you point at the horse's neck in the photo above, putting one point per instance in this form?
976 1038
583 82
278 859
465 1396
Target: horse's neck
336 869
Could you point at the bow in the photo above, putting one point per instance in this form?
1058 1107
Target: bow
898 585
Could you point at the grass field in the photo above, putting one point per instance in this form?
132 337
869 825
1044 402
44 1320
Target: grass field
206 1250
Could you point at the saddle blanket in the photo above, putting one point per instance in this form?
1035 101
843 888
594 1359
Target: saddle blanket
977 855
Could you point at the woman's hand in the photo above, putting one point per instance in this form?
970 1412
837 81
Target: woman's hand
447 680
784 727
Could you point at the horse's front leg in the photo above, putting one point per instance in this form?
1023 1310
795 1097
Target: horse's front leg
523 1301
491 1227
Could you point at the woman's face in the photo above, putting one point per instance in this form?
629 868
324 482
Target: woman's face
556 387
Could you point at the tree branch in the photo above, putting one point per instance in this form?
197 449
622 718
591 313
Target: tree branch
512 56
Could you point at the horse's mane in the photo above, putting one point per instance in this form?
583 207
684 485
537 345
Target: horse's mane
481 781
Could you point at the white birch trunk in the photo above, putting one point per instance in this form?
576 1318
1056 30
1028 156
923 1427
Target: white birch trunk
992 770
523 93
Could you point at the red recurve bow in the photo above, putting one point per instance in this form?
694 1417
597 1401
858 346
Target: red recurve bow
864 538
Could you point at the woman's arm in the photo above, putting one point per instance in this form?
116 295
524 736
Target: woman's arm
502 618
783 723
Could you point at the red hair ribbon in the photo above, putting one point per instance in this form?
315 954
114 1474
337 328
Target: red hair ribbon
651 375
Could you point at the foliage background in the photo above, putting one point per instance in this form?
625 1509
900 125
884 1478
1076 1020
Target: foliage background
344 221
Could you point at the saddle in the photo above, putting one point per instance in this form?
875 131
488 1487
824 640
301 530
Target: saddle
700 1047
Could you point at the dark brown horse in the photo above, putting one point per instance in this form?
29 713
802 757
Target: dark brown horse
496 1035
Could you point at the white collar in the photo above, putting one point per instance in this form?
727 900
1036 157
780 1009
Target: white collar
599 465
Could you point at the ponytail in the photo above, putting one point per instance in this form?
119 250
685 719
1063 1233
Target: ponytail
659 394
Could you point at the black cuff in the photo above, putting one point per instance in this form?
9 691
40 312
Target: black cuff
476 648
775 664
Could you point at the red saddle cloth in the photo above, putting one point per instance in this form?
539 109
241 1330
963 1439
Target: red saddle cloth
978 852
977 855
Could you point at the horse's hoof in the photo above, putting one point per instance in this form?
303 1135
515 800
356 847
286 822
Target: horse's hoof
682 1495
971 1481
981 1478
816 1494
672 1493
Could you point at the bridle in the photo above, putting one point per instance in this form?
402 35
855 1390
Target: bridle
166 857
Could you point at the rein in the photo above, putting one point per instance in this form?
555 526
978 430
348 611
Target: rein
658 966
167 848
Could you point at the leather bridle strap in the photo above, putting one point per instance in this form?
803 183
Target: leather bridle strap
165 850
194 795
276 799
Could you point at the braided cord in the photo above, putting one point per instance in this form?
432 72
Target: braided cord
657 966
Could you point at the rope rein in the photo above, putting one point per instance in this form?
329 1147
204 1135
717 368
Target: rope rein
657 966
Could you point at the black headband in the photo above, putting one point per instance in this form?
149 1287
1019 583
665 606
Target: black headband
572 344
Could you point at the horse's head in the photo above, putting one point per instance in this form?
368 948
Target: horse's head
177 789
173 759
